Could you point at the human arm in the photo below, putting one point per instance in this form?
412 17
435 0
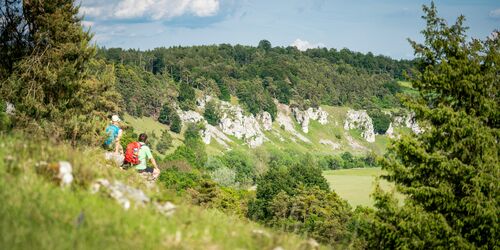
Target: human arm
118 146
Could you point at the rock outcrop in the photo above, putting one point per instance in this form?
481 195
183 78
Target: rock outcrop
390 131
360 120
126 196
235 123
409 122
285 121
334 145
202 101
266 120
304 116
212 132
190 116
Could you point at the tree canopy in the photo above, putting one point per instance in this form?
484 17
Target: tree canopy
449 173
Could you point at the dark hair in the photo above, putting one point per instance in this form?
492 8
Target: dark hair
143 137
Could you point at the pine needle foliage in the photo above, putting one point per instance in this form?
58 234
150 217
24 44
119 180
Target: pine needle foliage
450 172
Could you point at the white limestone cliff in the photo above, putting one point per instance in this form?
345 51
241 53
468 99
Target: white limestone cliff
285 121
304 116
360 120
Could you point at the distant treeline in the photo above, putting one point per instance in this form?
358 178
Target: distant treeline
256 75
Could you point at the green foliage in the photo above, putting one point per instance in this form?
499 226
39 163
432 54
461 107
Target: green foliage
264 45
224 176
346 161
4 118
256 98
165 142
225 95
243 166
211 113
175 123
294 196
229 200
59 90
284 178
320 214
187 97
380 120
166 114
193 150
128 136
447 172
173 178
313 77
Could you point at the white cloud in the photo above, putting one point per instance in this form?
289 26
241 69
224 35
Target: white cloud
495 13
91 11
149 9
87 24
303 45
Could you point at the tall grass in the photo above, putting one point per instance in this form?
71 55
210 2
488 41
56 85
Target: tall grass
35 213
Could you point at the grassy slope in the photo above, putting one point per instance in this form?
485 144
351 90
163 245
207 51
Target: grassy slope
37 214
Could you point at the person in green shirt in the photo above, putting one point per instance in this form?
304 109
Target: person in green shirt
145 155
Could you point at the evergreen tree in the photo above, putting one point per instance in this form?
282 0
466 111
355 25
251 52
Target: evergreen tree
59 90
211 113
166 114
175 123
186 97
224 92
165 142
449 174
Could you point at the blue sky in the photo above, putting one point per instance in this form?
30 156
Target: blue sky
379 26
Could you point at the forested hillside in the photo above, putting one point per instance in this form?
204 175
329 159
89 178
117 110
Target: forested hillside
257 75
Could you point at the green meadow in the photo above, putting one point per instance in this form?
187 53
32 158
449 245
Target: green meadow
356 185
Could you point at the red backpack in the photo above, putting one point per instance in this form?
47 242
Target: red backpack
132 153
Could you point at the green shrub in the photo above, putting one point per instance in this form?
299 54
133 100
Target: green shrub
224 176
380 120
187 97
166 114
211 113
175 123
286 179
242 164
172 178
165 142
320 214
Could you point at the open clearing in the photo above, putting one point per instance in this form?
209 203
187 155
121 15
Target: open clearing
356 185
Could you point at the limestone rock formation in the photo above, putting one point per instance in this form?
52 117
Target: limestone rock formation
409 122
390 131
266 120
190 116
235 123
123 194
304 116
212 132
334 145
202 101
285 121
360 120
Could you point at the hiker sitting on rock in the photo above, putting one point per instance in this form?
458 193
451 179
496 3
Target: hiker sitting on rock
144 155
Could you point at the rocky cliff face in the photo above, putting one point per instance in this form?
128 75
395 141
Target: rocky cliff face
304 116
409 122
266 120
285 121
360 120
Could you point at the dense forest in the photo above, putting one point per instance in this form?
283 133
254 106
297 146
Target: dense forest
256 75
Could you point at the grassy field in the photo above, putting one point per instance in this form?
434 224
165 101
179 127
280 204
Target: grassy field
356 185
